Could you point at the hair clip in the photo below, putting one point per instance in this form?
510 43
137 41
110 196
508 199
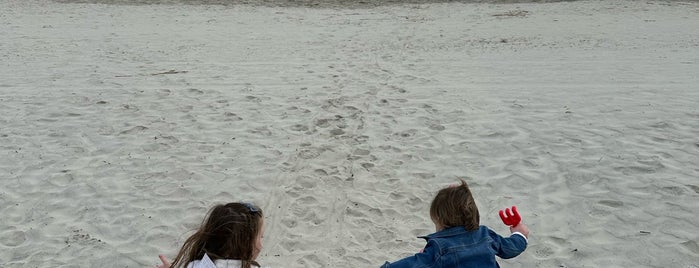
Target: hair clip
251 207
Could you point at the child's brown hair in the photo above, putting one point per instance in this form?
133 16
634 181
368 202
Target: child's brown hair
454 206
228 232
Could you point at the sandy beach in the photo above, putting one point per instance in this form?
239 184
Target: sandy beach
122 122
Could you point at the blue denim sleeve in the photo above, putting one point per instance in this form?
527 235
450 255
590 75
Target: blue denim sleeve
424 259
509 247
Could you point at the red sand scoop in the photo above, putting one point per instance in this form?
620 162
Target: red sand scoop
510 218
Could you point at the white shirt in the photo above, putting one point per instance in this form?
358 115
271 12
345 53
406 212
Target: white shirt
206 262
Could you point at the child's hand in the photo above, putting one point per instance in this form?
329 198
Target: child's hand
522 228
166 263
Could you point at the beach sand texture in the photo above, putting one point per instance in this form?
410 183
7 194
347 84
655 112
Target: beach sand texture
120 125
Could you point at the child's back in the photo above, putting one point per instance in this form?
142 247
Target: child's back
459 240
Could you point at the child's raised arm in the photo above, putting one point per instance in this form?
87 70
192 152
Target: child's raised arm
513 219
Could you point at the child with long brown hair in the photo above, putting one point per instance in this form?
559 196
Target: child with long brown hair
460 240
229 236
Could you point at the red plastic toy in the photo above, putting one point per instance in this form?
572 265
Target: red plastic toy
510 218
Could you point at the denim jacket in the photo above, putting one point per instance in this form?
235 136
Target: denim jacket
456 247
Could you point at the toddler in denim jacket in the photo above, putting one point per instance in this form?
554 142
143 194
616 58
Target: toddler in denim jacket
459 240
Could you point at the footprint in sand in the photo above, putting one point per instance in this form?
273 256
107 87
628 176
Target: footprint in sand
290 223
12 214
306 183
323 122
406 133
253 99
436 126
691 246
299 110
542 251
299 128
598 213
693 187
673 190
611 203
229 116
313 218
396 196
576 179
380 234
132 130
12 238
310 152
429 108
264 131
79 236
195 91
360 210
361 152
163 93
645 167
361 139
185 109
167 139
390 148
320 172
310 261
301 187
62 179
337 132
130 107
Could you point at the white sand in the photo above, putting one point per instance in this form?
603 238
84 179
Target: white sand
343 123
